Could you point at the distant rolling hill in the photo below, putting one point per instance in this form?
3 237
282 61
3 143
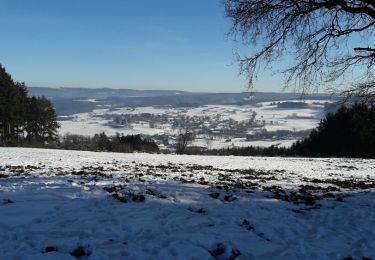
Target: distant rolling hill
98 93
69 101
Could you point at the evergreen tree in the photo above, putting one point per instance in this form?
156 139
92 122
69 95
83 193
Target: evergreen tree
350 132
12 108
41 125
22 116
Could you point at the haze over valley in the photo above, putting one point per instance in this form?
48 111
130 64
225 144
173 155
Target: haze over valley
218 120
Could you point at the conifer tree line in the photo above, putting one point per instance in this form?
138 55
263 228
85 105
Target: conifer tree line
349 132
102 142
24 119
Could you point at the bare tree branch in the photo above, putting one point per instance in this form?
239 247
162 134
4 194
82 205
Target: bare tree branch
330 40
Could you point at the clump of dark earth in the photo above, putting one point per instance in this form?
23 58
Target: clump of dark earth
200 210
80 252
183 180
50 249
247 225
129 196
4 175
214 195
139 198
7 201
223 187
309 201
235 254
348 184
363 258
120 198
226 198
202 181
229 198
218 250
154 193
150 192
310 188
245 185
115 188
292 196
89 171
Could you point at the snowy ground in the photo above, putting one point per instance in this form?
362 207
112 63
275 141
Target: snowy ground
293 119
65 204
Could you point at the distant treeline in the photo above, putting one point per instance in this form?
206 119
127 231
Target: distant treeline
349 132
23 119
248 151
102 142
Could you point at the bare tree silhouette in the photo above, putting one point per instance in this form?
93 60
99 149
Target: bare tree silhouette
331 41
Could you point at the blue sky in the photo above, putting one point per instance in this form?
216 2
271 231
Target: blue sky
139 44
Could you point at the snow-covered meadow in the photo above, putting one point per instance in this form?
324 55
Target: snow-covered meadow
268 114
70 204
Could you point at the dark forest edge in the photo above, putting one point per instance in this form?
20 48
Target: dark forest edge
24 119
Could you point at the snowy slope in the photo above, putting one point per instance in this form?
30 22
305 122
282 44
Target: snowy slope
59 204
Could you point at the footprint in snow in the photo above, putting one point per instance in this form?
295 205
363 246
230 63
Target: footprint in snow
219 252
7 201
200 210
80 252
49 249
248 226
226 198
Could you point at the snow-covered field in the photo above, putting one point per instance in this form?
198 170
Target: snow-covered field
267 115
275 119
63 204
241 142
